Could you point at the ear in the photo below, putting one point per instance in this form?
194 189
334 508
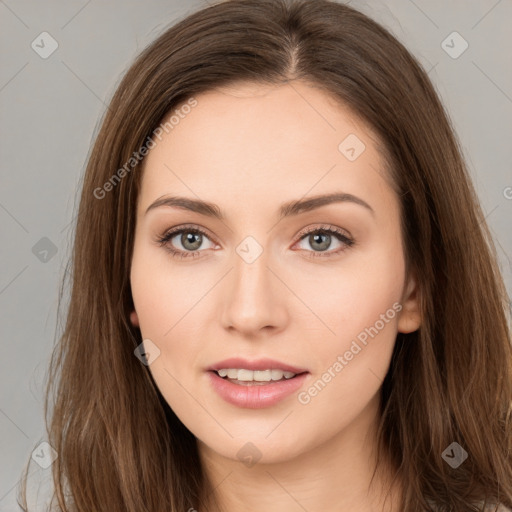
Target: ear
134 319
410 316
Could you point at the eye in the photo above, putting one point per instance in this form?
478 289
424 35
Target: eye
189 238
320 238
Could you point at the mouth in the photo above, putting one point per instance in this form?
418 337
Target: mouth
257 384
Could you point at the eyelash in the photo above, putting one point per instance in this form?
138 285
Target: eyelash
332 230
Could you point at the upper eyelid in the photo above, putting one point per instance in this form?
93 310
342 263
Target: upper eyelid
170 233
324 227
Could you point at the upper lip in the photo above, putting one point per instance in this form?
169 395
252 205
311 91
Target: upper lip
258 364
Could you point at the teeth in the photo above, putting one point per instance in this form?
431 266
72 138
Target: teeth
257 375
277 374
245 375
263 375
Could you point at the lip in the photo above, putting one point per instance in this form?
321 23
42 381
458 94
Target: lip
255 396
259 364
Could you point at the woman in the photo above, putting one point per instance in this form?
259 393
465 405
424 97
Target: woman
284 292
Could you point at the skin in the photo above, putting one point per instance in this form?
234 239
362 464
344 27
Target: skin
249 148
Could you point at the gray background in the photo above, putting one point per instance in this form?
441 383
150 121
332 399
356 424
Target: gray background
50 112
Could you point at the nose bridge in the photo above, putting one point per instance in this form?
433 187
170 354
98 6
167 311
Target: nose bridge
251 276
254 300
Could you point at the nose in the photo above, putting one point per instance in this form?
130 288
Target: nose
255 298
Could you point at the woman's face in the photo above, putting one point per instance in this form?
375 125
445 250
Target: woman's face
266 284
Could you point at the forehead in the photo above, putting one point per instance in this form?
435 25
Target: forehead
247 142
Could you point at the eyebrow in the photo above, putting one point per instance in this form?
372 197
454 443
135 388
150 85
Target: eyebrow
288 209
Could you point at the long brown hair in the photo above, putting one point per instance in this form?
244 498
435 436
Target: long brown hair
450 381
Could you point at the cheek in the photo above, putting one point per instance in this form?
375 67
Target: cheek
345 299
360 304
162 301
162 294
169 302
351 371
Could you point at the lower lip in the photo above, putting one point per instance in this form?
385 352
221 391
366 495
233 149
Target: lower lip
256 396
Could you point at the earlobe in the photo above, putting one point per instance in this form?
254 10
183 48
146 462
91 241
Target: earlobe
134 319
410 316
